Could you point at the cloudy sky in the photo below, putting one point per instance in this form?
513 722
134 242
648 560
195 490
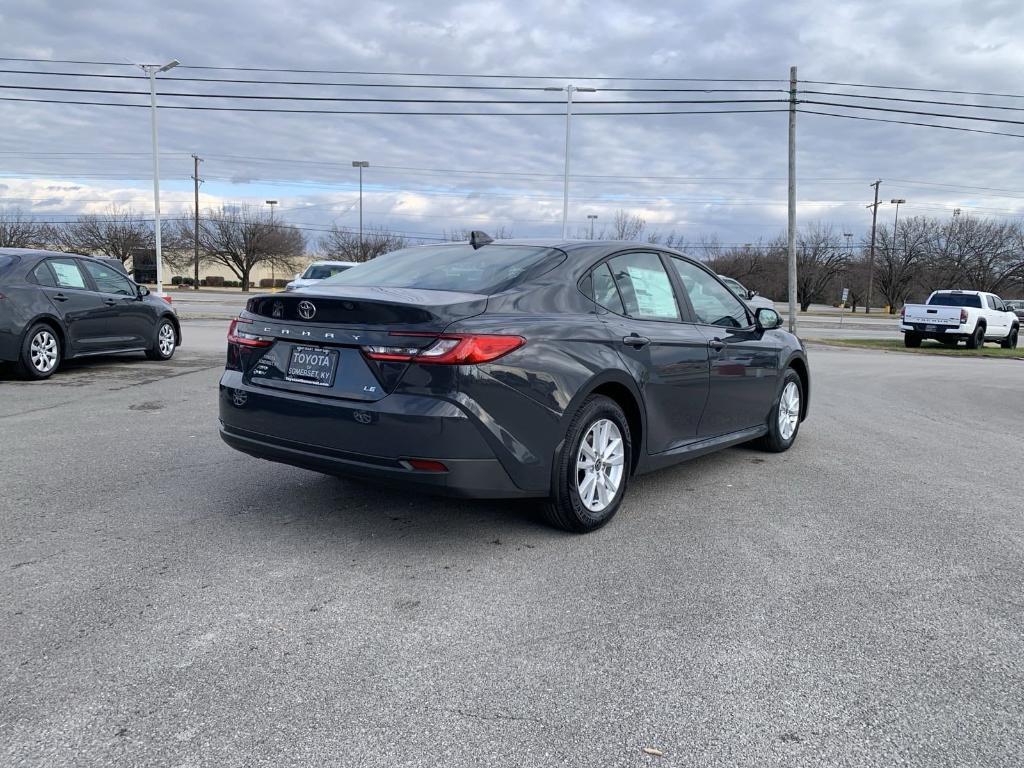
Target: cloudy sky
697 175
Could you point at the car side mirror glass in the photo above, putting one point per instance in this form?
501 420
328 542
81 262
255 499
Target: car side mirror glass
767 319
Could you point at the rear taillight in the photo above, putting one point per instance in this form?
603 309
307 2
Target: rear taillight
239 335
903 312
449 349
963 316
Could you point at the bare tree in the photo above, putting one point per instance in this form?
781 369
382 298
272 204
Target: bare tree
243 238
20 231
820 259
343 244
114 234
625 226
900 257
460 235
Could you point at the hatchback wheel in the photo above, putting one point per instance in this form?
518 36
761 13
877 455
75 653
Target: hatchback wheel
166 340
593 468
40 352
784 421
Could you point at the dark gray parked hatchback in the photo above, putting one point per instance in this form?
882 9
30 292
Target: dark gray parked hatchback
544 369
56 306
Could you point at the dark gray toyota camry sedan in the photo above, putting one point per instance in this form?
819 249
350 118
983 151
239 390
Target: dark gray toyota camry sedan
512 368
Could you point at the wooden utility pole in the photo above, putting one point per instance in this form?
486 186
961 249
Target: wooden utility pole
871 251
195 178
792 200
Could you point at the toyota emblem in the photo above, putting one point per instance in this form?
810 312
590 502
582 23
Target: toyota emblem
307 310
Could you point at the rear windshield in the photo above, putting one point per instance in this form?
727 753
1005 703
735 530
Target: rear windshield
955 300
460 267
6 261
322 271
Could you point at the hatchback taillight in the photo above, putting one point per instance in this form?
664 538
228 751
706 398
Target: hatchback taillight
448 349
240 335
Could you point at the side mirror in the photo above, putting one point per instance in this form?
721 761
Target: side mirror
143 291
751 294
767 319
298 276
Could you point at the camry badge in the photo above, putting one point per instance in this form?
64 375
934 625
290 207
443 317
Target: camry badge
307 310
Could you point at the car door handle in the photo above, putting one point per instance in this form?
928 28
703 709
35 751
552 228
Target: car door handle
60 297
110 302
633 340
717 344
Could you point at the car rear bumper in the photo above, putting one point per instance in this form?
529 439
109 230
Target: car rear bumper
945 331
370 440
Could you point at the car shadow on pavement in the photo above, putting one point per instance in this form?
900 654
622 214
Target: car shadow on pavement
383 516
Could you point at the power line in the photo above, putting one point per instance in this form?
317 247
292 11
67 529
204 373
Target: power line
190 107
913 112
435 86
268 97
915 101
909 88
911 122
411 74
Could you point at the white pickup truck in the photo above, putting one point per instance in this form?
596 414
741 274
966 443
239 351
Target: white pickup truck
954 316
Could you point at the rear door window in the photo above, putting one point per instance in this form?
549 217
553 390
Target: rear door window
67 273
644 286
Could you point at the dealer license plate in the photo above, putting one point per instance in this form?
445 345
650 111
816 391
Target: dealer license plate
312 365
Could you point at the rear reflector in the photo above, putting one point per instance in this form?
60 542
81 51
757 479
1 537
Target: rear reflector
425 465
238 335
449 349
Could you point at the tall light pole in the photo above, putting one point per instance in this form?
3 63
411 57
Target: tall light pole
152 70
360 164
569 91
592 217
273 271
897 201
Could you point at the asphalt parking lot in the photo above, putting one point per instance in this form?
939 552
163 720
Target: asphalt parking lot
856 601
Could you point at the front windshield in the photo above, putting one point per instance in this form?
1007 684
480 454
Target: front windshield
734 285
323 271
457 267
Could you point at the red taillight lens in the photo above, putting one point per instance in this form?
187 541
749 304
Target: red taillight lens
449 349
238 335
963 316
903 312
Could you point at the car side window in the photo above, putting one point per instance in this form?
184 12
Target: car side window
644 286
67 273
108 280
605 292
712 302
43 276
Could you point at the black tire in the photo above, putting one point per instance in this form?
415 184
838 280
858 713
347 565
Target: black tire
1010 342
566 508
161 350
41 352
912 340
774 441
977 339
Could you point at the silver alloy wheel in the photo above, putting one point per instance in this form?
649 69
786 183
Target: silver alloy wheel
43 352
600 464
165 339
789 410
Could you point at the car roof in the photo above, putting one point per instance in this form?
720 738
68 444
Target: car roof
332 263
41 252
